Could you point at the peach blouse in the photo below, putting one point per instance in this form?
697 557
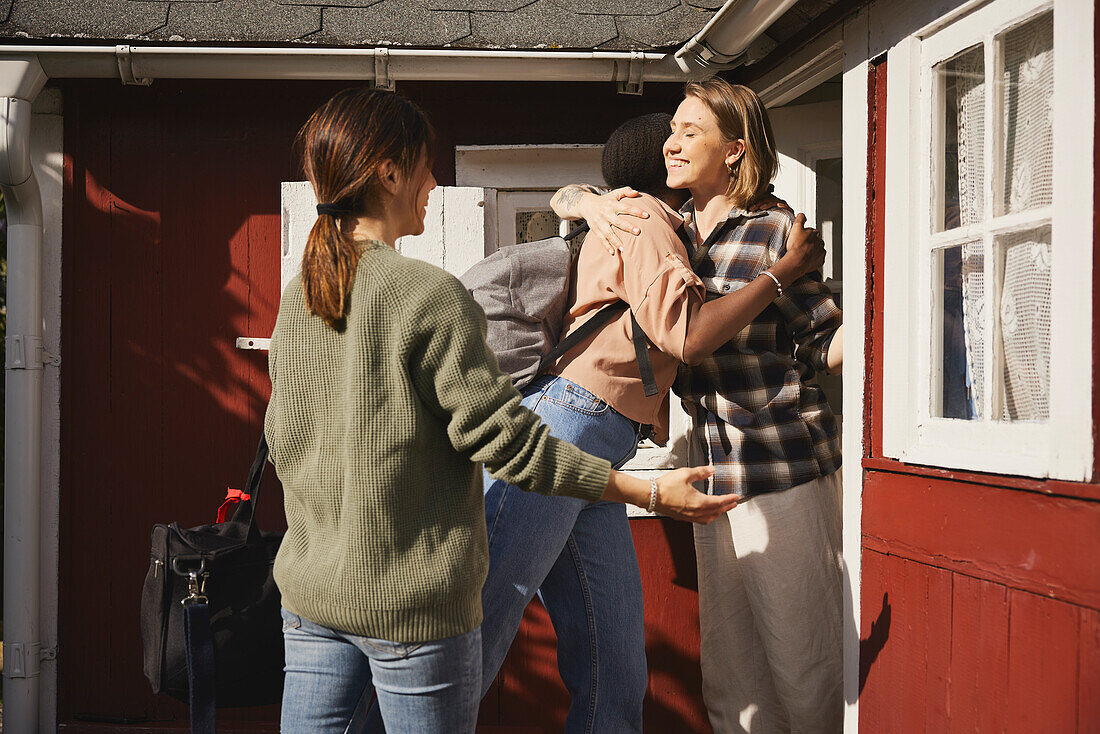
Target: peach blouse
652 274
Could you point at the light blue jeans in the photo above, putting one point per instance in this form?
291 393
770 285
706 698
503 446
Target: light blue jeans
580 558
422 688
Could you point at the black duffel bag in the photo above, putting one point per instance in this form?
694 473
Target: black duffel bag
226 569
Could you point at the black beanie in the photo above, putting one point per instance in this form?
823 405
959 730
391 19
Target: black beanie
632 156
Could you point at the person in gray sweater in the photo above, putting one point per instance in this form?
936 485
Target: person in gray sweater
385 402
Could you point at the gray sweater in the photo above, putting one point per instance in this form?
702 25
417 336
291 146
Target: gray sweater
377 432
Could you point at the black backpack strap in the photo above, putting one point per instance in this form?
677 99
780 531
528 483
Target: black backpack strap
585 330
573 233
602 317
641 352
594 324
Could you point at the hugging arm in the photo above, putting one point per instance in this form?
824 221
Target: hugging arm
607 213
720 319
714 322
813 321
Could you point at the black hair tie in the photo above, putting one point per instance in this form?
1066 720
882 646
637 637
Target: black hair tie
333 210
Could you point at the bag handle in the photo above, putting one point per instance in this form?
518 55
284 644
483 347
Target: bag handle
246 511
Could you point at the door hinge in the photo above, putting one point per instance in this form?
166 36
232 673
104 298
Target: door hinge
251 342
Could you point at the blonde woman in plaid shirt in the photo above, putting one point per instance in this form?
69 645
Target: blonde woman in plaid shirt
769 570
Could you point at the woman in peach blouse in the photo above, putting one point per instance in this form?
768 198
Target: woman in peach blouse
579 556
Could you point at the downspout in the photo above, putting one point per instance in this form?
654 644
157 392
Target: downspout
724 41
21 79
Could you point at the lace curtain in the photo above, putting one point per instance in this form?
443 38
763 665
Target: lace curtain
970 89
1026 91
1028 103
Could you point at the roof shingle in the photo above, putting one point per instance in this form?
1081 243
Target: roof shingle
239 20
641 25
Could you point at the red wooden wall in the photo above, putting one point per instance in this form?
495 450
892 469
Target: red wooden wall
980 593
171 251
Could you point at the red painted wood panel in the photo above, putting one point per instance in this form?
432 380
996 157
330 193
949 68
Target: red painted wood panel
1042 665
876 257
906 685
1095 261
960 654
171 239
528 690
1049 487
1043 544
978 673
1088 666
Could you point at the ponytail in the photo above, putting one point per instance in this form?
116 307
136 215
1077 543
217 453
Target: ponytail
328 270
342 144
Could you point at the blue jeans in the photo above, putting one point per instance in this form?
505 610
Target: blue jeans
580 558
331 678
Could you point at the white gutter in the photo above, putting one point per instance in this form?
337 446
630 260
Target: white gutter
20 82
722 42
138 64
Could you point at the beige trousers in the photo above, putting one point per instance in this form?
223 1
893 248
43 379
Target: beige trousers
770 604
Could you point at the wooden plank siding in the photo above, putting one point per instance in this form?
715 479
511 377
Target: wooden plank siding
979 592
171 251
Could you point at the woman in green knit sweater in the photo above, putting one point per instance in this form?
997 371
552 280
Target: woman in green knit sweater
385 399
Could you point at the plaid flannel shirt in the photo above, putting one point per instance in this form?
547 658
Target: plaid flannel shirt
757 417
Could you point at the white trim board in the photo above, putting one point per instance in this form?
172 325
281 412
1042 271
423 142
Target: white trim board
528 167
855 174
821 68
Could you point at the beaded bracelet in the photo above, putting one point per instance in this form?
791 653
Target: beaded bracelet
778 287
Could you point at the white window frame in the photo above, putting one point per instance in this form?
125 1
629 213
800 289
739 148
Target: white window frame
511 203
1062 446
525 177
811 154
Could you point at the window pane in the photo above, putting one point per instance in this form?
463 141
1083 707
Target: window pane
1027 100
1025 324
961 82
536 225
830 212
959 361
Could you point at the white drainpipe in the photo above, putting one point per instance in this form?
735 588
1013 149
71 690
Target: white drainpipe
722 42
21 79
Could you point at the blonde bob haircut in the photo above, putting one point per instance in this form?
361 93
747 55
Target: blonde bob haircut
741 116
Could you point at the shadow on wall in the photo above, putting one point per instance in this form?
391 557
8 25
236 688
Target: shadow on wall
172 251
872 645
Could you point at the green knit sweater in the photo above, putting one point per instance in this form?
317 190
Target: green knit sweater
377 432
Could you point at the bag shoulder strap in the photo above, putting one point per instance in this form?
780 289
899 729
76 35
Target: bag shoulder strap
246 511
198 643
582 332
